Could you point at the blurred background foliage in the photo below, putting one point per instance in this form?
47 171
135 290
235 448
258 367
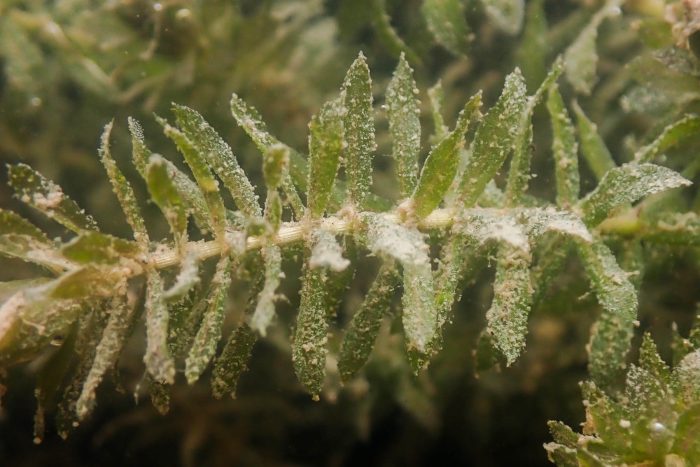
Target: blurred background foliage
69 66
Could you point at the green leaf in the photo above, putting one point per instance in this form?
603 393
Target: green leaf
233 361
387 34
275 163
123 190
160 395
44 195
519 170
106 353
441 165
506 15
531 54
325 147
512 299
562 434
437 100
358 123
157 358
209 333
311 335
219 156
672 135
165 194
610 339
404 125
49 381
99 248
14 224
580 58
564 149
541 221
593 148
457 259
364 327
687 441
186 188
86 282
249 119
10 288
265 309
88 337
29 248
447 23
407 246
202 174
627 184
494 139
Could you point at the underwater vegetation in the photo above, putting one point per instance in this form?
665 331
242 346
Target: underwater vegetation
492 192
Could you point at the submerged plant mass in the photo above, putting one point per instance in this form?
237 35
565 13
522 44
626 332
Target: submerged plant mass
200 300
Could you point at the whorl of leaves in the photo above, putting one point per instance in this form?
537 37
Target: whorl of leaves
90 281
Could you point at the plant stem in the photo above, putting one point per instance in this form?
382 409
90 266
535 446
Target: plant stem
292 232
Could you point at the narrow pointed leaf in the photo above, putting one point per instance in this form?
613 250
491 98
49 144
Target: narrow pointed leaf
14 224
540 221
106 353
404 125
99 248
441 165
325 147
407 246
437 100
202 174
219 156
494 139
249 119
593 148
387 34
123 190
234 357
186 188
233 361
44 195
160 395
265 309
531 54
627 184
519 170
87 339
671 136
610 339
512 299
311 336
9 288
364 327
448 24
209 333
564 150
506 15
581 57
167 197
159 362
358 124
